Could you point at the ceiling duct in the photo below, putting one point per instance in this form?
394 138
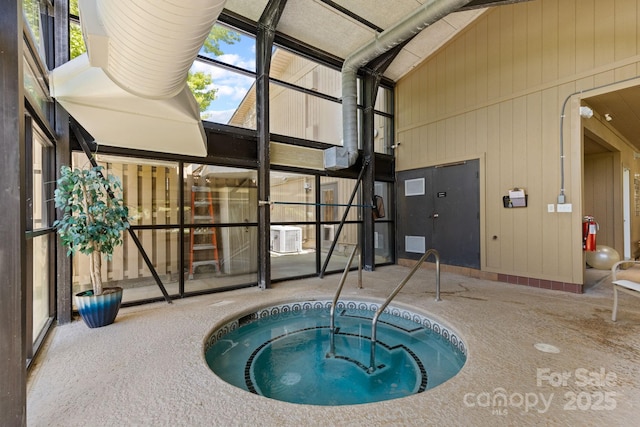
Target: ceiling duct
130 89
433 10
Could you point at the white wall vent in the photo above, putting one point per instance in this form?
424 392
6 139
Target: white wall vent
414 187
414 244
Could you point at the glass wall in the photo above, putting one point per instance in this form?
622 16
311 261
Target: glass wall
151 193
34 89
198 222
39 231
383 134
383 239
302 115
39 159
222 78
219 238
221 235
76 41
224 95
304 98
287 66
334 196
293 227
41 281
33 10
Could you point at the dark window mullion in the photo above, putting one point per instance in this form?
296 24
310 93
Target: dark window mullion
28 141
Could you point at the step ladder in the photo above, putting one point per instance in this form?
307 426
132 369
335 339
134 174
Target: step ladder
203 246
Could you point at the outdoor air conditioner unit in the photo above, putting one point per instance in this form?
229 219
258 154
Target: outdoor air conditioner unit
286 239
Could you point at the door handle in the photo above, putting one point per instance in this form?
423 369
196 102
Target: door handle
435 215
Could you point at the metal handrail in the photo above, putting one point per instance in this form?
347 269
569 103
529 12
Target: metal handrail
374 322
332 314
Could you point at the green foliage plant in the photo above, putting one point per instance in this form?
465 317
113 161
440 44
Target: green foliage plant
93 216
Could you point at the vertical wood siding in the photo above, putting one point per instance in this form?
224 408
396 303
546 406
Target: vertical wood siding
151 194
296 114
495 92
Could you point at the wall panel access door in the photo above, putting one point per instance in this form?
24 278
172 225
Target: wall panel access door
439 207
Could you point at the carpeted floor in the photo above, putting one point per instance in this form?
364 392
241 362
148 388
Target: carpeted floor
535 357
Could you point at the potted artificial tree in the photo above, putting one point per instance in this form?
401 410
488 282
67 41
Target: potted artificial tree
92 222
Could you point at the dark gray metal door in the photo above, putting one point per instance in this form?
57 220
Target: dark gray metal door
447 214
455 213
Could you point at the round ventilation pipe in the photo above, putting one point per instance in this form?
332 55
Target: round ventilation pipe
152 44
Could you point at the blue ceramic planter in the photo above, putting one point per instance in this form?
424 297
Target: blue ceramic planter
99 310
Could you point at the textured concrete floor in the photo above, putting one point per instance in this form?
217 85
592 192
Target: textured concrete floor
148 368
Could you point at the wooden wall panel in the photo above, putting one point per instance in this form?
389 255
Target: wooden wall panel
604 37
506 180
550 177
470 56
481 69
504 46
459 135
534 43
482 128
625 28
413 113
519 179
598 197
535 218
585 38
428 143
493 191
566 38
493 56
441 141
513 68
450 80
459 73
441 89
550 36
519 49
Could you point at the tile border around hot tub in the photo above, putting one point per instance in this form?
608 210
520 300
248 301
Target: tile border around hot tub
275 310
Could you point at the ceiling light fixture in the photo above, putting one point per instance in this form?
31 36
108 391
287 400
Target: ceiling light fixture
608 117
586 112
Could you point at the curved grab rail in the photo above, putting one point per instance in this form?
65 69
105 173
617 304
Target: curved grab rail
332 316
374 322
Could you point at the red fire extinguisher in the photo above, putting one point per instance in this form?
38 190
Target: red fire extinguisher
589 230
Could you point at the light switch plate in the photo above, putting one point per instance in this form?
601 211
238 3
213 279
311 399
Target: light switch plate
551 207
564 207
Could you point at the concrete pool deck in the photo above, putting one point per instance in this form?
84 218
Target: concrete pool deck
148 368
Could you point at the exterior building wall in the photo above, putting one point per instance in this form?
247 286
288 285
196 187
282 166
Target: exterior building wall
151 194
496 93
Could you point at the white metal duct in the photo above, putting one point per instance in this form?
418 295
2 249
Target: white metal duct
130 89
147 46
